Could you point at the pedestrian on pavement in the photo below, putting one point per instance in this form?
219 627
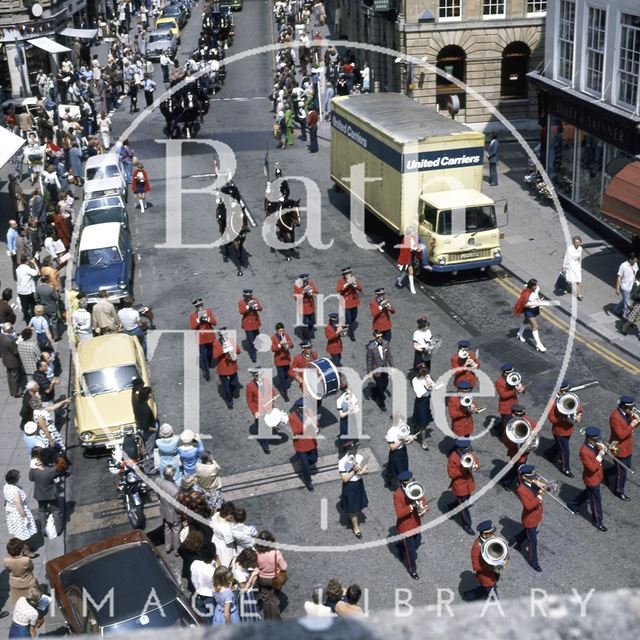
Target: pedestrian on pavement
131 323
104 126
209 481
12 236
304 429
46 481
11 360
492 155
27 618
625 278
170 517
140 184
222 536
201 577
26 410
529 304
132 92
81 321
18 199
572 265
127 154
46 384
189 451
49 299
271 563
104 316
245 572
26 286
75 162
145 419
312 125
226 609
165 63
353 498
42 328
7 313
20 520
33 437
18 563
379 356
167 444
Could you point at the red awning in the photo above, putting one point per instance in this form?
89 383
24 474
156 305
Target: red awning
621 199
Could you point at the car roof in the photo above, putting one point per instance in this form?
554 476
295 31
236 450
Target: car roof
166 19
101 160
98 236
102 352
102 184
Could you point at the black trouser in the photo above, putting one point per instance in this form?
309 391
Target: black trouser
206 353
378 392
27 302
529 534
592 494
350 317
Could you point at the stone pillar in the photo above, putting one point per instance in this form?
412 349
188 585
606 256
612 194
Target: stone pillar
17 72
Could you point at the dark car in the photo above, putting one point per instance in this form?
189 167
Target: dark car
175 11
118 586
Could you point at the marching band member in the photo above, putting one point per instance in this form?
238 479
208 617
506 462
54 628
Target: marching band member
300 361
379 355
529 304
409 249
381 309
592 453
306 289
463 362
517 411
281 345
622 422
353 498
260 396
562 428
305 446
334 334
203 320
347 405
398 460
349 287
408 518
462 482
422 344
422 385
530 495
249 307
226 353
486 575
461 416
507 395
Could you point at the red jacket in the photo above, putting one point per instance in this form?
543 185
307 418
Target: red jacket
532 508
308 302
461 418
334 341
485 574
507 396
281 357
250 317
462 482
227 366
300 444
298 364
521 302
134 180
381 317
348 293
206 335
560 424
255 401
622 432
405 255
592 473
406 517
462 373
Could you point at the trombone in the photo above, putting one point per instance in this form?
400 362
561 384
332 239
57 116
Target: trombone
611 448
548 487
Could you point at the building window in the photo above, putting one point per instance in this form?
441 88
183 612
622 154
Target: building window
452 60
536 6
596 27
629 66
515 66
450 10
493 9
566 30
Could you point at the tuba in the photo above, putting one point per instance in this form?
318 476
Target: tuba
567 404
495 552
518 430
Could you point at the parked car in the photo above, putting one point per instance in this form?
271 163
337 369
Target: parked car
160 42
235 5
105 262
104 165
170 24
104 369
104 209
102 187
175 11
127 569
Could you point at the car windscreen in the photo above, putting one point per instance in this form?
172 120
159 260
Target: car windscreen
166 25
106 171
171 11
159 37
109 380
107 214
172 614
481 218
102 203
102 257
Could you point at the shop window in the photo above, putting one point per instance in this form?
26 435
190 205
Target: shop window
596 31
515 66
560 155
589 172
566 34
452 60
629 61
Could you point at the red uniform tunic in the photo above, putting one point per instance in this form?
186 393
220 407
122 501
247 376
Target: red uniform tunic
250 317
381 317
461 418
308 301
531 506
507 396
485 574
227 366
281 356
298 364
349 294
406 517
621 431
462 482
256 401
334 341
560 424
207 336
462 373
300 444
592 473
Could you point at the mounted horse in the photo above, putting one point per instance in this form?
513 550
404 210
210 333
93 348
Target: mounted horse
287 218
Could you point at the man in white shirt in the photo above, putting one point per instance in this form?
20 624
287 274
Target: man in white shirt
130 320
315 607
625 278
26 286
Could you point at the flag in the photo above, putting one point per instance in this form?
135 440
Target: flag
266 164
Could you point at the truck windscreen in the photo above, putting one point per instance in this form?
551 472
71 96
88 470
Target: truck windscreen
468 220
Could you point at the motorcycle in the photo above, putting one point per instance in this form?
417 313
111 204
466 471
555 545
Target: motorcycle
146 316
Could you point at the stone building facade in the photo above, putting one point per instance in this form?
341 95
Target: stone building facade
489 44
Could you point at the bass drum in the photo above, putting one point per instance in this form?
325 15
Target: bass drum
321 378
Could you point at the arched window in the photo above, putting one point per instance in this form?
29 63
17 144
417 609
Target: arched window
452 60
515 66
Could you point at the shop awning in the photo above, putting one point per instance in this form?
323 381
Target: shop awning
9 144
48 45
621 199
86 34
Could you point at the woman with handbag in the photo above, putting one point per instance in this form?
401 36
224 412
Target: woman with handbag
634 315
272 575
572 265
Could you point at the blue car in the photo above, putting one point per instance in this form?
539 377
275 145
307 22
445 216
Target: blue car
105 262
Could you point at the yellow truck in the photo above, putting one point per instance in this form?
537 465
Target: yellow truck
422 170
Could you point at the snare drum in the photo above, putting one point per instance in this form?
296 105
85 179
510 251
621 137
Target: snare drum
275 417
321 378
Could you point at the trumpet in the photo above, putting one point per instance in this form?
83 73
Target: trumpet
350 280
283 342
470 461
567 404
415 492
343 329
384 303
227 347
307 290
203 316
495 552
252 305
468 403
635 414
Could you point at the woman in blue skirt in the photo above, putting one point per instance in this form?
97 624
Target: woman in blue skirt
422 385
354 497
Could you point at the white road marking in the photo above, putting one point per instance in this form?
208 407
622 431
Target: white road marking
324 514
